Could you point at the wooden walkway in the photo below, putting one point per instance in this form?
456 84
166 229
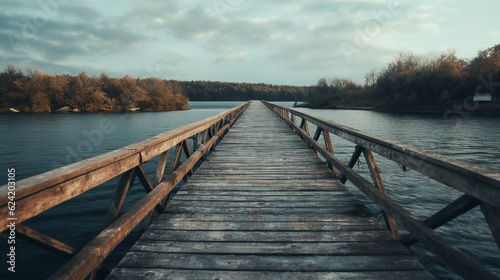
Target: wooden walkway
264 206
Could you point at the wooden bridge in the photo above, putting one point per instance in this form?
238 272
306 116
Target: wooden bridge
261 206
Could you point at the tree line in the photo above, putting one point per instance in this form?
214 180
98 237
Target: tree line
37 92
416 83
224 91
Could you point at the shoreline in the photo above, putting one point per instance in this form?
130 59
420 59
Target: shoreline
479 111
6 111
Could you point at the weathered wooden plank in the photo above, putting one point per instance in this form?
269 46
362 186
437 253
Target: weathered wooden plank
160 274
247 173
273 204
346 209
269 195
265 226
272 197
228 186
273 237
270 177
266 262
264 218
283 248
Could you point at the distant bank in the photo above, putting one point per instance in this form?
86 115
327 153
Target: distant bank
32 91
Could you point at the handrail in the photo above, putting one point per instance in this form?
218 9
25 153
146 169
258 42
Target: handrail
480 186
44 191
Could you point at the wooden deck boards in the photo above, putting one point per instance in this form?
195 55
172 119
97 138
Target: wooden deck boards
264 206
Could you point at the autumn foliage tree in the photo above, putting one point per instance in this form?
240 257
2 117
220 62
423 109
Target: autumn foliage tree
416 82
37 92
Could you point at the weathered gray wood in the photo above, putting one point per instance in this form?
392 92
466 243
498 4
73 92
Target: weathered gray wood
256 200
271 204
347 209
130 273
269 263
267 218
270 196
273 237
282 248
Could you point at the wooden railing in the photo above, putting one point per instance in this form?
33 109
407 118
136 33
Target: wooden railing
42 192
481 187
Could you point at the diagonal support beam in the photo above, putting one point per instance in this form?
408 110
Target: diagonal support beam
44 241
177 156
305 126
492 215
450 212
317 134
354 158
377 178
119 196
160 171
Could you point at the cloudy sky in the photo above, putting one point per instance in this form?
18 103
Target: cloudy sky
279 42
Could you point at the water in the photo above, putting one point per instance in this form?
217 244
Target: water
37 143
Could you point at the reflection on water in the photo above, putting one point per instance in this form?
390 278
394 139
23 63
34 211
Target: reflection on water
36 143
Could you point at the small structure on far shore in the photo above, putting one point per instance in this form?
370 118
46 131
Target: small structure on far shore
65 109
486 97
482 97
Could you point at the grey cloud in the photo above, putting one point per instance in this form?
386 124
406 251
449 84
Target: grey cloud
65 35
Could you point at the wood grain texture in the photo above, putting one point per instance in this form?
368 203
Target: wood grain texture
261 206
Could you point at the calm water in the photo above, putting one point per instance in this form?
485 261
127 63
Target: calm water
33 144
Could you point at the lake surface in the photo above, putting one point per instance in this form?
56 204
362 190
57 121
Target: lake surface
33 144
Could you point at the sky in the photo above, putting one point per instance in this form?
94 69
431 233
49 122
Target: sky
253 41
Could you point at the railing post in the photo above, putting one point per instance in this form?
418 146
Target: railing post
370 161
303 125
329 147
